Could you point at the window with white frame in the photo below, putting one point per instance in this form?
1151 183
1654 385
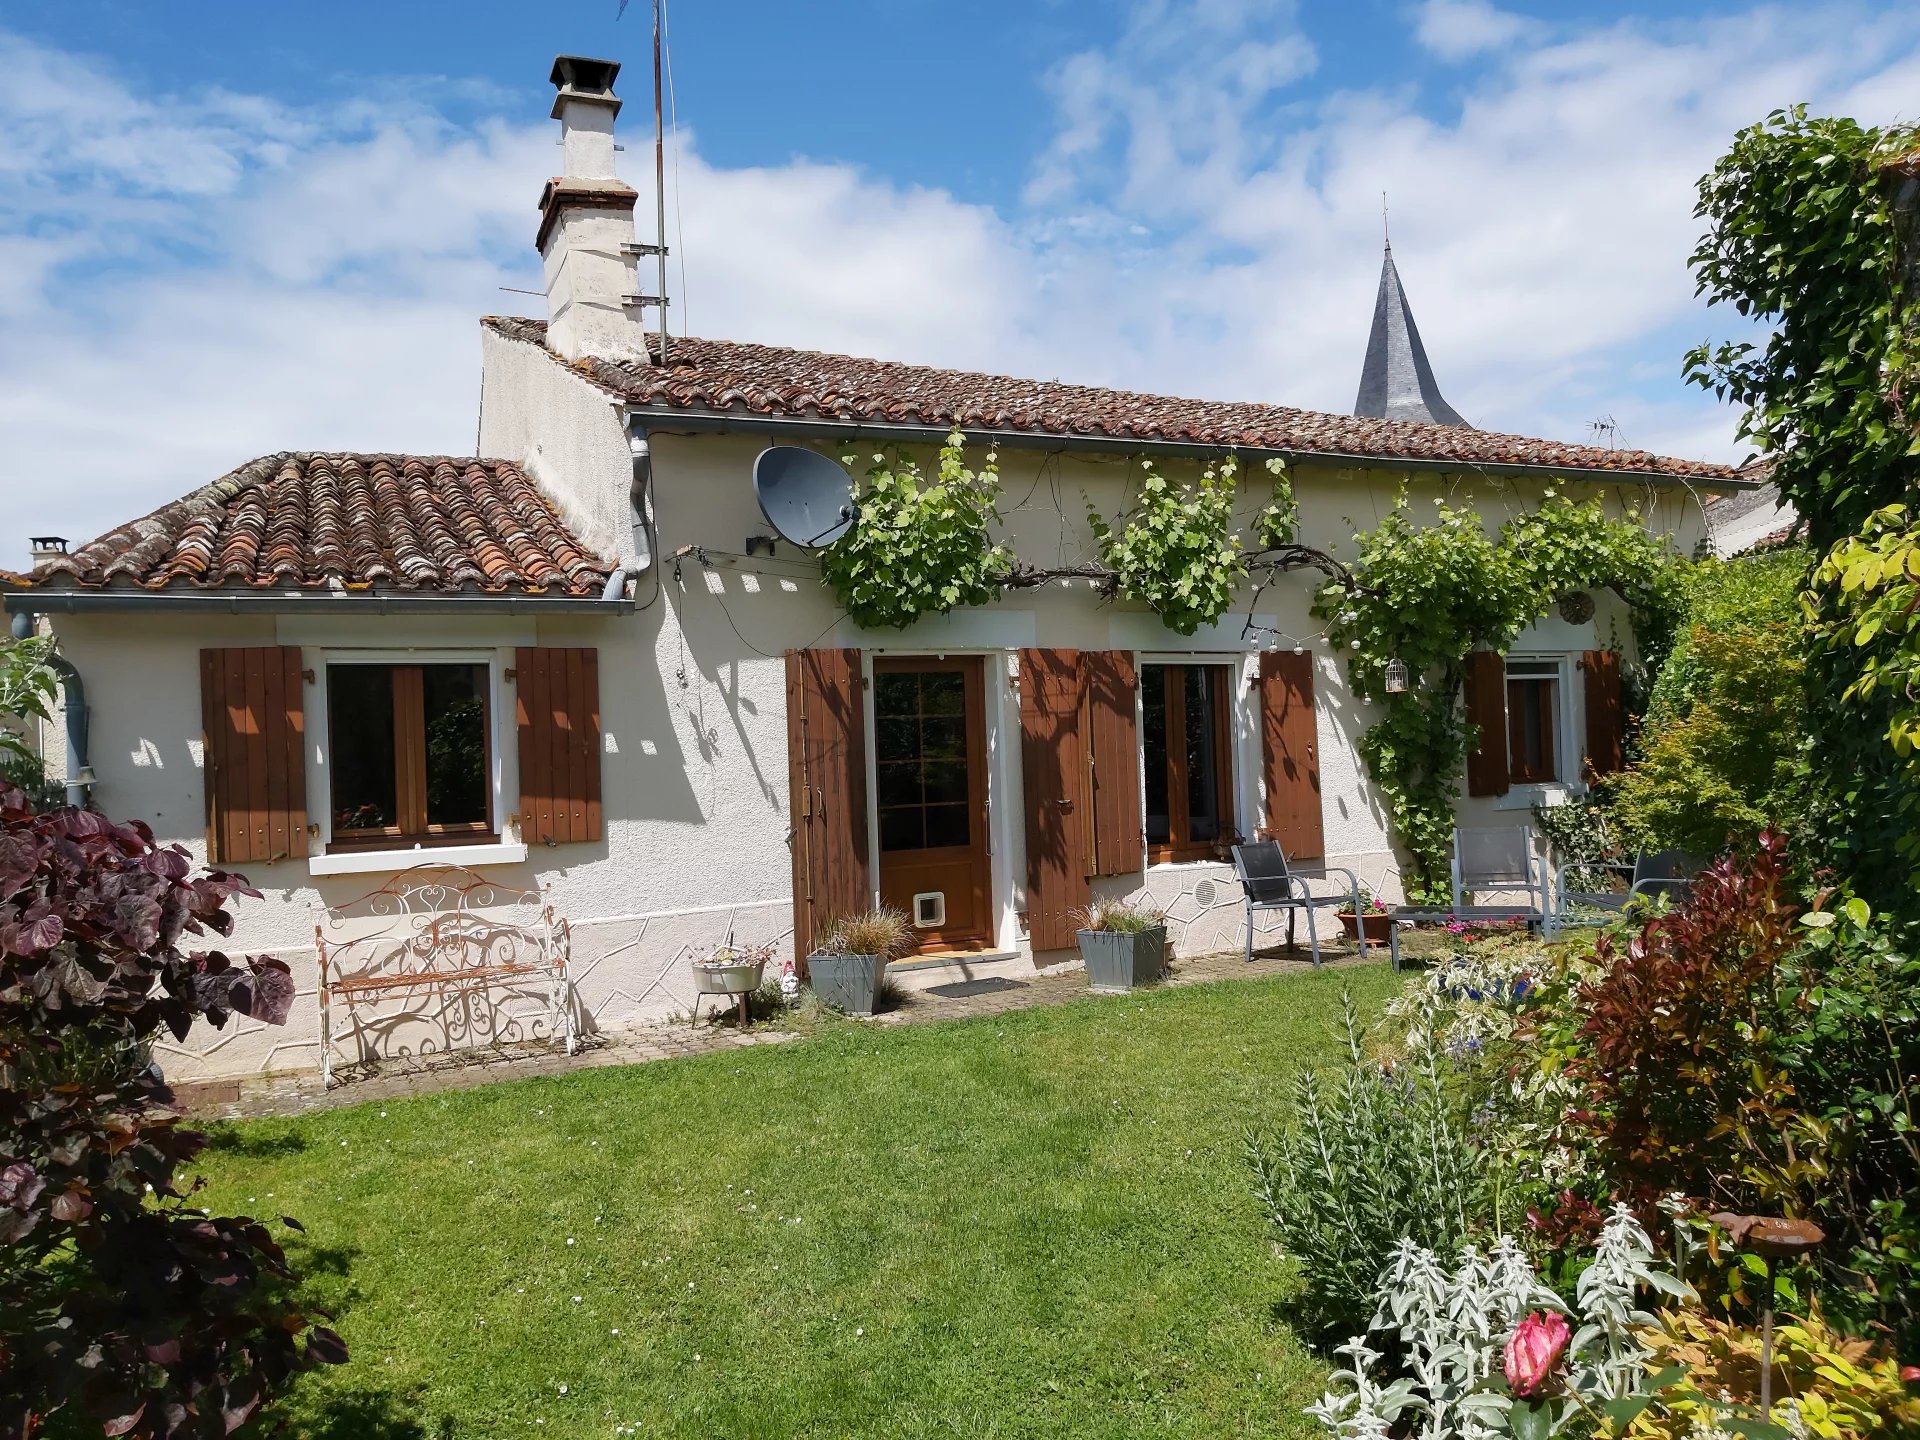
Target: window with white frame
410 753
1535 715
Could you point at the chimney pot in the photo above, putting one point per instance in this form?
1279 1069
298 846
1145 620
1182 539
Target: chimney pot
577 77
46 547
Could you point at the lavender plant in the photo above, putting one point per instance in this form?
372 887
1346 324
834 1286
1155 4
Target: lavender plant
1384 1153
1472 1004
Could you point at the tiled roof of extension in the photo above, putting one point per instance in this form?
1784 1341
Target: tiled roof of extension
303 520
728 378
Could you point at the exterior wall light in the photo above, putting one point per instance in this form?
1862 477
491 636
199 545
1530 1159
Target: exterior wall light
1396 677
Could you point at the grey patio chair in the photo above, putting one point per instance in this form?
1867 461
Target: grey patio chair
1666 873
1269 882
1501 858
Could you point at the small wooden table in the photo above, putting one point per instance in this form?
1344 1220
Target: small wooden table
1435 915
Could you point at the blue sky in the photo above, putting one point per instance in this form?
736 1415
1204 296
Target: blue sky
232 228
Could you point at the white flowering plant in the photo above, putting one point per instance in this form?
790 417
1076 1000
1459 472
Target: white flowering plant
1477 1005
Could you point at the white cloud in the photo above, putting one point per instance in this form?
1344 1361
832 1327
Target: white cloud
1542 227
1460 29
1165 106
190 280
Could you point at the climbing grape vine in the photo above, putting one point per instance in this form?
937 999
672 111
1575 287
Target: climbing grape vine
1429 595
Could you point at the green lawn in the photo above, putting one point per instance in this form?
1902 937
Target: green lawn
1037 1224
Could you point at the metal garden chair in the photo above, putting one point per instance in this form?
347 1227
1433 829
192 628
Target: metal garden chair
1269 882
1666 873
1501 859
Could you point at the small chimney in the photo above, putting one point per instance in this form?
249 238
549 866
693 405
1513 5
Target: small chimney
46 548
586 238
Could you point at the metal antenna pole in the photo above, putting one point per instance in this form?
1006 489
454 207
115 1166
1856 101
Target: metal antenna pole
660 179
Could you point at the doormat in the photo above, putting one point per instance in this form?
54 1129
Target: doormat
963 989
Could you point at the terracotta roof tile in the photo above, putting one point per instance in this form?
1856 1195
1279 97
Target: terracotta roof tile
719 375
305 520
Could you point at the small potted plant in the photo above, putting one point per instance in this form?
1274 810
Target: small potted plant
1123 944
731 969
850 959
1373 919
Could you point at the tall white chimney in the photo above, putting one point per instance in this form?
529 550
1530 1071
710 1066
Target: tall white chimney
586 235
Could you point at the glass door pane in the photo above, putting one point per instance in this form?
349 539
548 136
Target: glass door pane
1203 753
1153 741
921 766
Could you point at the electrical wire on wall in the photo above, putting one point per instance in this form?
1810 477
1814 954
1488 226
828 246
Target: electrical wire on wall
698 554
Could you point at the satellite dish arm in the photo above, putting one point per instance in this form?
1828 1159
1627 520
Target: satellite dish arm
845 515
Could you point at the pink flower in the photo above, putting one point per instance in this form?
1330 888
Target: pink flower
1534 1350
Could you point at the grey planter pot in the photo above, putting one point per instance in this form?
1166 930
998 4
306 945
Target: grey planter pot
1116 962
847 982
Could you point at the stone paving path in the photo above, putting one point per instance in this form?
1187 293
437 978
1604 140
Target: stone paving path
299 1094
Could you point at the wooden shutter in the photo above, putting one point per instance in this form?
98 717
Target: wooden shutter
1290 746
557 712
253 736
827 791
1113 762
1486 696
1054 773
1606 714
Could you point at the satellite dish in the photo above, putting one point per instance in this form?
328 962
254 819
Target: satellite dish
807 498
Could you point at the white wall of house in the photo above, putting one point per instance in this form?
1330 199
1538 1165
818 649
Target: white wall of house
693 704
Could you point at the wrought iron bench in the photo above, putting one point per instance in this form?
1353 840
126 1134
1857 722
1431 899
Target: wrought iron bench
440 931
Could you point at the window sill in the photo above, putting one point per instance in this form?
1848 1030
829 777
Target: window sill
371 862
1526 797
1162 866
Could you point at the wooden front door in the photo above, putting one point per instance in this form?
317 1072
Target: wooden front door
930 777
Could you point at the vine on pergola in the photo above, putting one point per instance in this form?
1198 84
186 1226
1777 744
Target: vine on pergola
923 545
1426 595
1429 596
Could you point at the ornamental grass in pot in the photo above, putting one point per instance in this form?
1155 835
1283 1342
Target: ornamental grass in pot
849 961
1373 918
1123 944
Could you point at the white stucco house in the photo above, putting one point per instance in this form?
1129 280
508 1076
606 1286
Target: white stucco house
574 662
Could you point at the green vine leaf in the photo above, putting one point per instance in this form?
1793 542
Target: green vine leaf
919 545
1175 550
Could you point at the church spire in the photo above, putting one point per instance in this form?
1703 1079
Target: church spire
1397 382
